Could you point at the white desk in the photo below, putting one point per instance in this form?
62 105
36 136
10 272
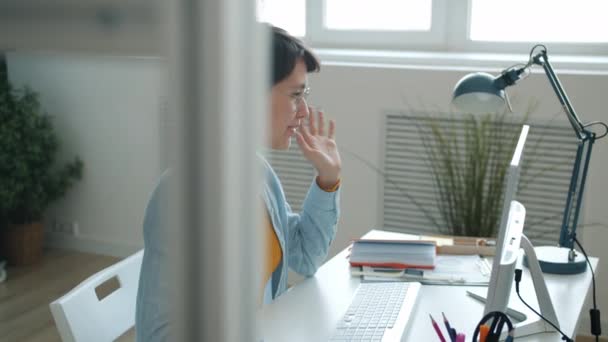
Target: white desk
310 310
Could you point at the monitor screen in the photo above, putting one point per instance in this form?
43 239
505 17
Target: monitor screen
509 234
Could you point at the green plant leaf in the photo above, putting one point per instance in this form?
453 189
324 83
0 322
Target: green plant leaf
468 158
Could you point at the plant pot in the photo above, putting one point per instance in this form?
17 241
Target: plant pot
22 244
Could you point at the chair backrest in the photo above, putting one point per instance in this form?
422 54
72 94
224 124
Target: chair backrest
81 316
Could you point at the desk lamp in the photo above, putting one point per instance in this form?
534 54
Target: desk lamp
482 92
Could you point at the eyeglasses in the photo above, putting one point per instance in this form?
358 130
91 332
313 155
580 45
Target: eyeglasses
300 95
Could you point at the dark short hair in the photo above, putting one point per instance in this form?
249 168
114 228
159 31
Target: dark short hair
286 50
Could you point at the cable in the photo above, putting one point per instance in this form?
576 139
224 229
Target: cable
532 51
593 123
517 280
596 327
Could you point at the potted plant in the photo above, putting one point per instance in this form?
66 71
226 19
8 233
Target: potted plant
30 178
468 159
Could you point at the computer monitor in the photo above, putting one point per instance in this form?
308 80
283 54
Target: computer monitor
503 269
509 234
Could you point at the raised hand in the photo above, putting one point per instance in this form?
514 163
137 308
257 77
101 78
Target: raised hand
320 149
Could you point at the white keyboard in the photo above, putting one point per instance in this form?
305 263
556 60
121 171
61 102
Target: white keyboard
378 312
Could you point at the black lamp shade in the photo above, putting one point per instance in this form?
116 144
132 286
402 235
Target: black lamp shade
478 93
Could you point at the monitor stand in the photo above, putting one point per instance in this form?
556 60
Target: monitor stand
529 323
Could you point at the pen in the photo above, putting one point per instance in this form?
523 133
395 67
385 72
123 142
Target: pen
484 329
460 337
437 330
451 332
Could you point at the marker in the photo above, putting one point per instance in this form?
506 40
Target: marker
510 336
437 330
451 332
484 329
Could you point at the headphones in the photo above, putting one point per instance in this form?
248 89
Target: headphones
498 320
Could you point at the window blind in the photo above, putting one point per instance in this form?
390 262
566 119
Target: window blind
294 171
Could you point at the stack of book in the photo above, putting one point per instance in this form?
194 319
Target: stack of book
418 260
399 254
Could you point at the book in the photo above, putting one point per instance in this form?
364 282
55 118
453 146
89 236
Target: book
469 270
399 254
463 245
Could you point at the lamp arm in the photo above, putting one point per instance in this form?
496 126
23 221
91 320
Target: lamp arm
583 155
577 183
543 60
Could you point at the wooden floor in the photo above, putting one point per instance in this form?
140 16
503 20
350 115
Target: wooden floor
26 293
590 339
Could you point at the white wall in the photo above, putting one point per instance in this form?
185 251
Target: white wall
108 112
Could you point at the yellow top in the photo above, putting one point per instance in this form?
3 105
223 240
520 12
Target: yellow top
273 252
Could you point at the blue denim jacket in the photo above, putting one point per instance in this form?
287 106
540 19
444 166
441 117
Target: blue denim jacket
304 238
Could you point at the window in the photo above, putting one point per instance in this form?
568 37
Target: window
376 24
585 22
567 26
289 15
380 15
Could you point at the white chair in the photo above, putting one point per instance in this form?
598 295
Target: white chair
81 316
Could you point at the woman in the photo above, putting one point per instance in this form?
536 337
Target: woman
299 241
